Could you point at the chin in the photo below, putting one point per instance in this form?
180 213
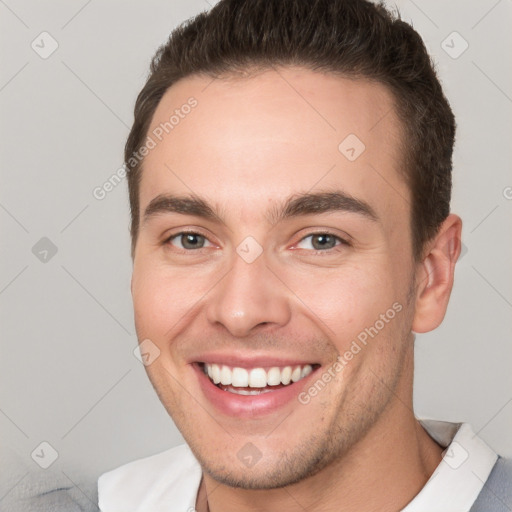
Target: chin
280 471
250 480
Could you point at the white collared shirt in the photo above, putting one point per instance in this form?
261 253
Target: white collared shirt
169 481
461 475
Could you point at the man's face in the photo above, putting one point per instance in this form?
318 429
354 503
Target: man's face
270 279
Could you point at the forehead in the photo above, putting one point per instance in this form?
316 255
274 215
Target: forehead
245 142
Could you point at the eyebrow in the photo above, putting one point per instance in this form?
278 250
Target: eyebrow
295 206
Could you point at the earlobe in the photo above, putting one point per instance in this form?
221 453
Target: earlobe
434 275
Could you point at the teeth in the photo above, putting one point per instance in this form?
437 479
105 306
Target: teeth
215 373
274 376
242 391
306 370
296 374
225 375
255 377
239 377
286 375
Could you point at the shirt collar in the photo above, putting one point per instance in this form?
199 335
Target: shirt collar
461 475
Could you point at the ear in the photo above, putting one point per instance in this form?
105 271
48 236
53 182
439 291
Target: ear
434 275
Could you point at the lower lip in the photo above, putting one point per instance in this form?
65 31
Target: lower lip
232 404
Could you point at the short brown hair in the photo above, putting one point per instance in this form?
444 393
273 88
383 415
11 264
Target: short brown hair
352 38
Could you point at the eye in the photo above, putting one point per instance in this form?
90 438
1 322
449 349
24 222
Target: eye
321 242
188 241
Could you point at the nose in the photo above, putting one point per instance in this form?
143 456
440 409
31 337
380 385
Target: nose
249 296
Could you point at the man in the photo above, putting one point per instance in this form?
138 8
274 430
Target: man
290 180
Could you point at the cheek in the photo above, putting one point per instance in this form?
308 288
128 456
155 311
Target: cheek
164 298
157 300
343 302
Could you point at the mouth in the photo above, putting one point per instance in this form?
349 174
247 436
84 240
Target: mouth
252 391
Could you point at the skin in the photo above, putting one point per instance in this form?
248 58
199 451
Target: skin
250 144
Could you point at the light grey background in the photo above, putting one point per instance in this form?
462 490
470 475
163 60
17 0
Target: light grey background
67 369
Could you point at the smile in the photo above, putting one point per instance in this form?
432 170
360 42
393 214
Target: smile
252 389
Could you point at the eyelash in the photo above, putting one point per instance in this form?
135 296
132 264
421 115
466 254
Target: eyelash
342 242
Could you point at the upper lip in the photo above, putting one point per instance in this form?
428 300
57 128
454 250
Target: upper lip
250 361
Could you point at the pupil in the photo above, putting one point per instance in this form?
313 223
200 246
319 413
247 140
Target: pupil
323 241
191 241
